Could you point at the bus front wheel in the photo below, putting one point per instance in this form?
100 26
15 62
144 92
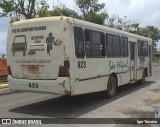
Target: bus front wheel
111 87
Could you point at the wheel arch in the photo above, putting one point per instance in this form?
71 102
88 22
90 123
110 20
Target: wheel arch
115 76
146 71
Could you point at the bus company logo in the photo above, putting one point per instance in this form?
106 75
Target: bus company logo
6 121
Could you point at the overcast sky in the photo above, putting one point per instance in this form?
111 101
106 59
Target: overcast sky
145 12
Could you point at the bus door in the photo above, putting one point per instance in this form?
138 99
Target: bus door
132 61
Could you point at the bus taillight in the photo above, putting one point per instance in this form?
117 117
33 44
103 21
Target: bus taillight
9 71
63 71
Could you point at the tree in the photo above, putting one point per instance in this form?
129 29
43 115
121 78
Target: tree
151 32
59 12
128 26
91 11
65 12
123 23
42 11
17 8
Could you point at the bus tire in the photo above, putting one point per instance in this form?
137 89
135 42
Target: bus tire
111 87
143 80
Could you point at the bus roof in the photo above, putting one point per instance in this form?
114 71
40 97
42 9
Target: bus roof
82 23
110 30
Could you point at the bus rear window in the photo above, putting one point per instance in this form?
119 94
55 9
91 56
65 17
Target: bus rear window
79 42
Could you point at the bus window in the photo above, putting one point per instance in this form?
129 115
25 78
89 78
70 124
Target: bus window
116 46
109 45
113 45
145 48
124 46
103 45
79 42
142 48
139 48
95 46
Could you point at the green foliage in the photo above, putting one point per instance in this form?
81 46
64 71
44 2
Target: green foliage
42 10
7 7
156 59
43 13
91 11
59 12
97 18
17 7
128 26
25 8
121 23
151 32
65 12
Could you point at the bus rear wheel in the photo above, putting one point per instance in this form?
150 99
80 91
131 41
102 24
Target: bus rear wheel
111 87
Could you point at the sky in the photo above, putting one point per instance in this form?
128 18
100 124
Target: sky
144 12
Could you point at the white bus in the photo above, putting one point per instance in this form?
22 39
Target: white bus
67 56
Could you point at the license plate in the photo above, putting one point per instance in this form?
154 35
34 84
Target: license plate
33 85
33 69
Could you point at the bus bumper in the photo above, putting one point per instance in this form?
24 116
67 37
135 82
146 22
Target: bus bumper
59 86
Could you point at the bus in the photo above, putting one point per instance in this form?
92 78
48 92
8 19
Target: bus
67 56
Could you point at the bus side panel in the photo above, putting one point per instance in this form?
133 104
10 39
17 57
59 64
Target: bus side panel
90 85
123 78
139 74
98 84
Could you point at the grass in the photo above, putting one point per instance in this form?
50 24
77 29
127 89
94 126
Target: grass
3 82
156 58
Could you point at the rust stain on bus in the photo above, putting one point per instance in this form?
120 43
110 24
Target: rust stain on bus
62 84
77 79
66 92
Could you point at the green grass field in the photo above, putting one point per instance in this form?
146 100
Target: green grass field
3 82
156 60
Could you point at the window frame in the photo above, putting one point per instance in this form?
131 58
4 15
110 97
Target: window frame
140 51
92 43
82 43
144 54
123 47
112 45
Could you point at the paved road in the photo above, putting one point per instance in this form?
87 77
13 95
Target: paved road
131 101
